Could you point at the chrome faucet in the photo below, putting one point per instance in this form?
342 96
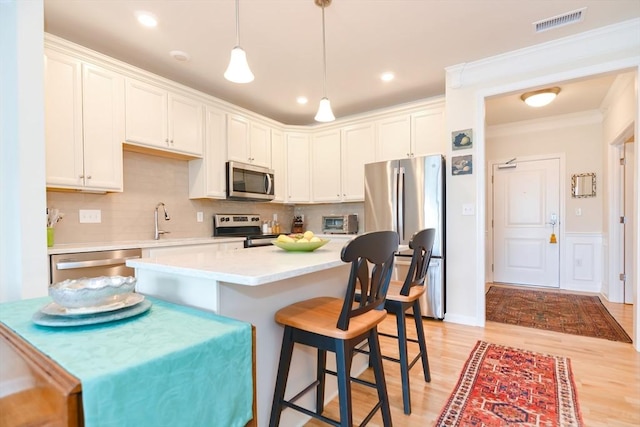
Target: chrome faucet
155 220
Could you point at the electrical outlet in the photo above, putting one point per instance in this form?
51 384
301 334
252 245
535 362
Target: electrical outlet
199 216
90 216
468 209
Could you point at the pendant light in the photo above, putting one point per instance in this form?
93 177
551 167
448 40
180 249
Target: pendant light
238 70
324 110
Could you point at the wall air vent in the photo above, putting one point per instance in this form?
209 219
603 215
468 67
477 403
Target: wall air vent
560 20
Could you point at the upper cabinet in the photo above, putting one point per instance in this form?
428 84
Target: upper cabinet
428 131
160 119
207 177
326 181
84 124
394 138
297 153
411 134
358 149
248 141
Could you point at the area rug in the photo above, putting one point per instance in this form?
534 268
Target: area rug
572 314
504 386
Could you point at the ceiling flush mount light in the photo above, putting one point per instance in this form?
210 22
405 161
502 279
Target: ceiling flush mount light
540 98
147 19
238 70
302 100
324 113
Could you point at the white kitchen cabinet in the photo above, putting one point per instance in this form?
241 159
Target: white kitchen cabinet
248 141
358 149
160 119
428 132
278 164
297 152
394 138
207 176
326 181
84 124
411 134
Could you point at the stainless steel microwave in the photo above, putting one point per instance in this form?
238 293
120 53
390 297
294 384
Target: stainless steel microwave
249 182
340 224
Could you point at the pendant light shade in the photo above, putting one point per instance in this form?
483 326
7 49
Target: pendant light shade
540 98
324 110
238 70
324 113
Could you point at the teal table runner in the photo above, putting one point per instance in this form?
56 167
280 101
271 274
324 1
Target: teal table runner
171 366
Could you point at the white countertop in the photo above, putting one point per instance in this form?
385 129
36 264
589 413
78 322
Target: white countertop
251 267
135 244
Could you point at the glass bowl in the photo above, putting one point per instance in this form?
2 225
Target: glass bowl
91 291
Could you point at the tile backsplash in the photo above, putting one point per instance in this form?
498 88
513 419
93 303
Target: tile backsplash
151 179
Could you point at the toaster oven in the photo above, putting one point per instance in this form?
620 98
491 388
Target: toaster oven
340 224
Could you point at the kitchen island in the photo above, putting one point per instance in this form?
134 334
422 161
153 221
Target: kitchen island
251 285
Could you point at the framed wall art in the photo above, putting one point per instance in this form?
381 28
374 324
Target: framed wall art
462 165
462 139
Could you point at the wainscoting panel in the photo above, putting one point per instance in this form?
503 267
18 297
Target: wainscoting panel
583 256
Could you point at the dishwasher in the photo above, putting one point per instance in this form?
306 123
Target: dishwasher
92 264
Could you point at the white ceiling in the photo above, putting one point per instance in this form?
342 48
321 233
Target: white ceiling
416 39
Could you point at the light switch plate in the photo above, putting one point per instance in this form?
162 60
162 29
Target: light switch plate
199 216
90 216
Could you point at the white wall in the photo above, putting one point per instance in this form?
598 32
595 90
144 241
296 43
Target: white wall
23 254
607 49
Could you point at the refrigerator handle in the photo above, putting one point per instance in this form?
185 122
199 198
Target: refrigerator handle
401 204
394 201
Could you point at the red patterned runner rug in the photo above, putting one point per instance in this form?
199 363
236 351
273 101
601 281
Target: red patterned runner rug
553 311
504 386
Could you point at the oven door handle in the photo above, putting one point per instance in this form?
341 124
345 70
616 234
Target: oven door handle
68 264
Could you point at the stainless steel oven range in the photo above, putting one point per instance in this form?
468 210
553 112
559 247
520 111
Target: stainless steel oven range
242 225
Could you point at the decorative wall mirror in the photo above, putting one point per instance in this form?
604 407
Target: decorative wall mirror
583 185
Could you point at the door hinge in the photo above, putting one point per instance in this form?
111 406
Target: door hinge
492 179
623 277
492 268
491 223
623 162
623 220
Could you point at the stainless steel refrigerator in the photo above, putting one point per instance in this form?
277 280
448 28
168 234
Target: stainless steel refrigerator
406 196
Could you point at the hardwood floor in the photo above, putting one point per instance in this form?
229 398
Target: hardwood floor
606 373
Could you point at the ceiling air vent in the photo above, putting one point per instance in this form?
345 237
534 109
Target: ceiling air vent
560 20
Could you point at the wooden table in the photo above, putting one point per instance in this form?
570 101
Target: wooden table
50 395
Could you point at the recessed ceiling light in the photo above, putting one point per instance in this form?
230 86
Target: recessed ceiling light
147 19
387 77
302 100
180 55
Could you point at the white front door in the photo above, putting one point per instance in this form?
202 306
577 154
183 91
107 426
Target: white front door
526 201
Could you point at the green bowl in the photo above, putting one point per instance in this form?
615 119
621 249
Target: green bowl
300 247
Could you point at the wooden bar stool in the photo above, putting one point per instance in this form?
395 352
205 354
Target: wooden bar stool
403 296
338 325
